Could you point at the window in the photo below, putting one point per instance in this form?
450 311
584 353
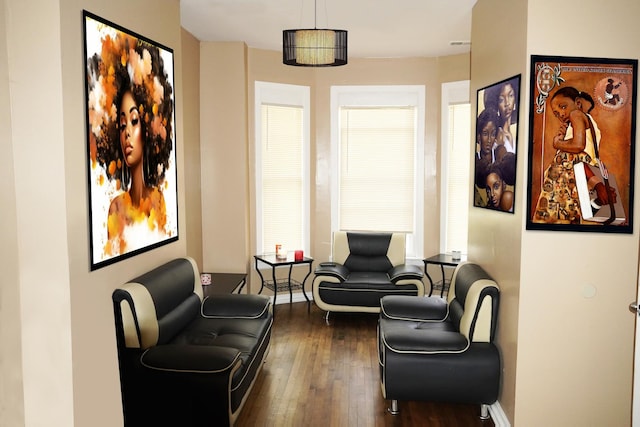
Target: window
282 166
456 142
378 160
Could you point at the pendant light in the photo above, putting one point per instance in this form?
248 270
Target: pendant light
314 47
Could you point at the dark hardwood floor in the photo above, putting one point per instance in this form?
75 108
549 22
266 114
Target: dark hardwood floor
320 374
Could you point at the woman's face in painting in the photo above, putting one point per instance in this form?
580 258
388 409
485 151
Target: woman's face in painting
130 128
495 186
487 137
562 106
506 100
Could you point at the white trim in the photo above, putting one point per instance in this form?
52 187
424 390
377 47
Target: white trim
498 416
383 95
292 95
283 297
452 93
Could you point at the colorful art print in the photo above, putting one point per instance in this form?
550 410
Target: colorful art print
582 144
495 145
131 146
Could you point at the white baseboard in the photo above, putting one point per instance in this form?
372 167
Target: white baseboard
498 416
283 297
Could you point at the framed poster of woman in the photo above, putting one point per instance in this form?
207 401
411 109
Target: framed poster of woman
582 144
495 145
131 153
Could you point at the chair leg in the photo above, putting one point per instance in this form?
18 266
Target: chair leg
484 411
393 409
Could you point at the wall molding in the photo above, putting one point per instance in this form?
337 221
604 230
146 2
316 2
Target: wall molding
498 416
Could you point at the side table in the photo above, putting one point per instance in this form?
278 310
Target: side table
442 260
224 283
276 284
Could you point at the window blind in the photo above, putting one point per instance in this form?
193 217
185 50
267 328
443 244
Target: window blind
282 212
377 168
457 176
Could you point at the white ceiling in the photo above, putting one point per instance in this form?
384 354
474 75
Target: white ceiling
376 28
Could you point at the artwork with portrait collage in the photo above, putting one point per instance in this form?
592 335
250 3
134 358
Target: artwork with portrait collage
495 145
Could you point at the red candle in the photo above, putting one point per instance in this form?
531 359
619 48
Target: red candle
298 255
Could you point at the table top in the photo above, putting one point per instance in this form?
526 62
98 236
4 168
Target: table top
223 283
444 259
290 260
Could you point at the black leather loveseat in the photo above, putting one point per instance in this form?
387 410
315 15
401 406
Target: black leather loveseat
184 361
365 267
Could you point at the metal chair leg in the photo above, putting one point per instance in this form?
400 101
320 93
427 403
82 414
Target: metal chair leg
484 411
393 409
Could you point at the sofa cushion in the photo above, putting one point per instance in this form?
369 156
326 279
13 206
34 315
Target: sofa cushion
401 336
362 278
190 358
236 306
399 307
360 294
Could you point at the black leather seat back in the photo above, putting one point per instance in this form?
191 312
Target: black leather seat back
368 252
158 304
473 302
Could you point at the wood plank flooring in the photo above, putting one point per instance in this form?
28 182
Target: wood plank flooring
326 374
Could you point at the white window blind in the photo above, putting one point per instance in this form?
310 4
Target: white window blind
377 168
377 141
282 193
282 167
455 163
457 178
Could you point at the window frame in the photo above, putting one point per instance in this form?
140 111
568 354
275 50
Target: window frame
285 95
387 96
452 93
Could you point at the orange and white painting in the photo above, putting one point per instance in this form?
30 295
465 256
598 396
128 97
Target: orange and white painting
131 142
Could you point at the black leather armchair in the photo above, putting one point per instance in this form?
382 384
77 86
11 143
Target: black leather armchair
442 351
364 268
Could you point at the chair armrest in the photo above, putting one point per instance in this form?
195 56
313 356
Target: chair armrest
191 358
332 269
235 306
404 272
420 309
400 338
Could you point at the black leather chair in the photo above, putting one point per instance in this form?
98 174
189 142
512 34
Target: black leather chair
185 361
439 350
365 267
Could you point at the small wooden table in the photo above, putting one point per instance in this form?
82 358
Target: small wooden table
224 283
280 284
442 260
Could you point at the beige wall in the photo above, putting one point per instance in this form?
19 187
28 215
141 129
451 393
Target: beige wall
223 144
567 354
592 336
191 129
11 391
61 314
494 238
